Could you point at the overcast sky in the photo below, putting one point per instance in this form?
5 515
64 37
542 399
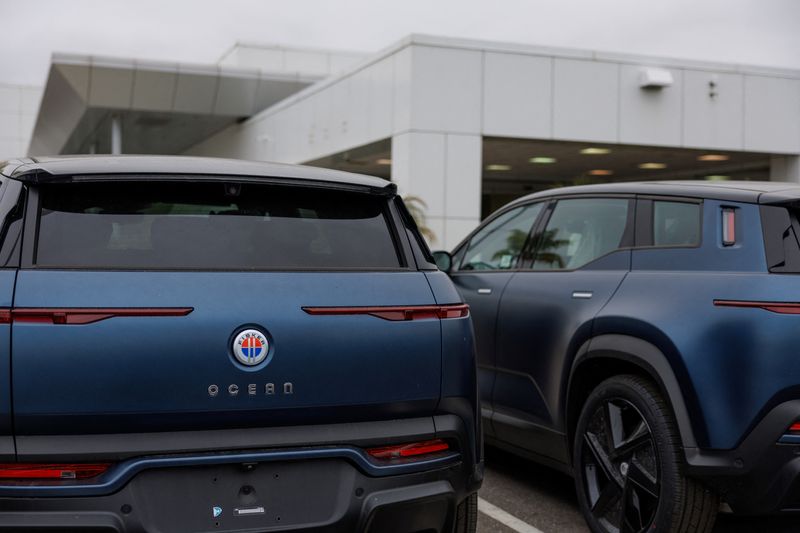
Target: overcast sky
762 32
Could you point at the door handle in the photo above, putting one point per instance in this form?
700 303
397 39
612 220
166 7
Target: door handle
582 295
484 291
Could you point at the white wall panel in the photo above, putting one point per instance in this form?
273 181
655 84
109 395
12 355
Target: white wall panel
110 87
455 229
462 186
585 100
418 168
10 99
381 99
446 89
153 90
517 95
771 114
357 107
713 121
402 90
649 116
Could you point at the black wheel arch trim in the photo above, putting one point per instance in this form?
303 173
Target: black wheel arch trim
650 359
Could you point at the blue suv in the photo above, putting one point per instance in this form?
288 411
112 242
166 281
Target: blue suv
206 345
644 338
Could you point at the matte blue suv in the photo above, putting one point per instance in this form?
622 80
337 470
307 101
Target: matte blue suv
208 345
644 337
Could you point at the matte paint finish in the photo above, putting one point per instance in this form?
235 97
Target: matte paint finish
483 309
6 428
153 373
733 364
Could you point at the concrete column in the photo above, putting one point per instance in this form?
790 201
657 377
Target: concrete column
784 168
444 170
116 134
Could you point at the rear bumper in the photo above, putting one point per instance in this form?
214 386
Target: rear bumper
321 494
277 479
762 475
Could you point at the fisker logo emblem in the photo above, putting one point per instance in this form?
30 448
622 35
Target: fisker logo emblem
250 347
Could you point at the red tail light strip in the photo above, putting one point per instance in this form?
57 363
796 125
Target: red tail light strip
397 313
795 428
83 315
51 471
784 308
409 450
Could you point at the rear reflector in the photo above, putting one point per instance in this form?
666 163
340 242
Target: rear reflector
728 226
784 308
414 449
10 471
396 313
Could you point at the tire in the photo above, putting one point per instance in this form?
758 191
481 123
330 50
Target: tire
467 515
627 450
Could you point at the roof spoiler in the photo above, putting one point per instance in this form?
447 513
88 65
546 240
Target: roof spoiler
785 197
38 176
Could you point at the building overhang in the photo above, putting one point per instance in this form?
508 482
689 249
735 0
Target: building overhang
164 108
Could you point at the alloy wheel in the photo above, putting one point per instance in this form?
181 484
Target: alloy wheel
620 468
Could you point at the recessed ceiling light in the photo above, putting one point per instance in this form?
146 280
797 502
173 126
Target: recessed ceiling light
383 161
652 166
541 160
713 157
498 167
717 177
600 172
593 150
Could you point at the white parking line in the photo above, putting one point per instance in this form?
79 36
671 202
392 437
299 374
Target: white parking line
508 520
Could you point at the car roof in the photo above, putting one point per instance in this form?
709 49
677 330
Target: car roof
735 191
64 168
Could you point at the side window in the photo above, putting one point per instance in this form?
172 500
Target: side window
676 224
580 231
498 244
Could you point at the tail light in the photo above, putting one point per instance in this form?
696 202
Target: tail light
397 313
414 449
728 226
16 471
794 429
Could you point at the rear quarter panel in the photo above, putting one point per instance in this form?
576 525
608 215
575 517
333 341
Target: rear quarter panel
732 364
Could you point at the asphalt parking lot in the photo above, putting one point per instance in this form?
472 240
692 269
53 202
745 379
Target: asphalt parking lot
523 497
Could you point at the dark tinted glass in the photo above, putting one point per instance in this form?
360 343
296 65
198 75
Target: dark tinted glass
498 244
211 225
676 224
580 231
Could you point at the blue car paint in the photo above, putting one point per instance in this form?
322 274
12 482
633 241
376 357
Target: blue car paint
103 377
734 364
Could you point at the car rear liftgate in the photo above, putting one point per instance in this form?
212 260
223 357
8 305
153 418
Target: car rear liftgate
131 344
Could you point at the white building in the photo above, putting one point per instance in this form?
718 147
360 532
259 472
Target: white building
465 125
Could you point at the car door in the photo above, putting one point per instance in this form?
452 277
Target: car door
581 255
481 270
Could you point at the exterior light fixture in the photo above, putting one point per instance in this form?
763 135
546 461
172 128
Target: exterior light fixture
593 150
541 160
601 172
655 78
713 157
652 166
383 161
498 167
717 177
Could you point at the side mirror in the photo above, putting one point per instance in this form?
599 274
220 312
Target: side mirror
443 260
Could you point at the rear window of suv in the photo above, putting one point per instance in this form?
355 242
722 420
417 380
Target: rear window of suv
211 225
